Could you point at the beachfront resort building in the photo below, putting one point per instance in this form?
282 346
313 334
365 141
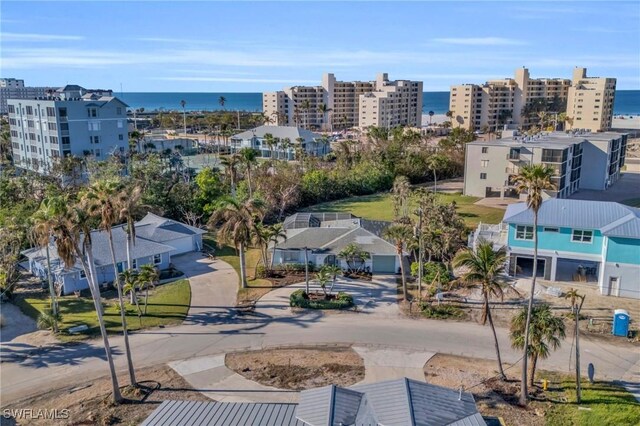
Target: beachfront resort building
343 104
587 101
70 121
592 242
13 88
281 142
581 160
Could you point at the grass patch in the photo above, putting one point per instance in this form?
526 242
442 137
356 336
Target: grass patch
256 287
633 202
380 207
168 305
606 404
441 311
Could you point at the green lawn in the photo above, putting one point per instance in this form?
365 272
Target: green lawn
633 202
168 304
602 404
380 207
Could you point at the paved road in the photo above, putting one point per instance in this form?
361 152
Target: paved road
212 327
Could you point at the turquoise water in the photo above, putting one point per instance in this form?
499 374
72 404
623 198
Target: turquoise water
627 101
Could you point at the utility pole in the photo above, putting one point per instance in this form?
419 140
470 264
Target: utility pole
306 269
54 302
578 385
238 112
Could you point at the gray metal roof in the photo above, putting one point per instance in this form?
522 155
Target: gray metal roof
197 413
368 241
278 132
158 228
613 219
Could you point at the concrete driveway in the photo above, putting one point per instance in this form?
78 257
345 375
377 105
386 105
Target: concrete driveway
376 297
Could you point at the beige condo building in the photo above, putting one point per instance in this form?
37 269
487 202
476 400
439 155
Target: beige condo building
499 102
350 103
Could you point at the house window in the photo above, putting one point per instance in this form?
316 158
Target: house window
290 256
485 149
119 110
581 236
120 137
524 232
134 264
484 163
92 112
157 259
82 275
483 175
549 229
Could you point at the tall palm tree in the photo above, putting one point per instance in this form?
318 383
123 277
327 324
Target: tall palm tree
323 277
130 279
221 101
401 192
532 179
431 114
129 203
306 107
44 219
235 221
400 235
546 332
485 267
230 164
269 140
148 277
248 157
260 238
324 110
333 271
183 104
102 201
72 231
435 163
277 233
286 145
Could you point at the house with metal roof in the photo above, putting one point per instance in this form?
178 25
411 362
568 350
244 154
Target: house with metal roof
584 241
281 142
157 239
323 235
395 402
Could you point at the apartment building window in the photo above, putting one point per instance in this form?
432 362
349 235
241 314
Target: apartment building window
483 176
484 163
582 236
485 149
66 140
94 139
12 121
12 109
62 112
524 232
54 140
52 126
64 126
14 133
92 112
51 112
29 110
30 123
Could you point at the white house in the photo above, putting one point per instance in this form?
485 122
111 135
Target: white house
283 142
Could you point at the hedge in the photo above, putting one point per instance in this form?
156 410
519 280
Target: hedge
300 299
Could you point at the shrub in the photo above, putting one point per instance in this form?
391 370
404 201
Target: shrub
440 311
261 271
300 299
46 320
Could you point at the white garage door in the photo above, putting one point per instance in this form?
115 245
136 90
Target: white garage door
181 245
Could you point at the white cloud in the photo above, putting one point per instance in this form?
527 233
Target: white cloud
480 41
37 37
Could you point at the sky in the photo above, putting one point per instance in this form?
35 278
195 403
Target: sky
208 46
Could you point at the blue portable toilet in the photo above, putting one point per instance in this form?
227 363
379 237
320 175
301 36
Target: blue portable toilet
620 323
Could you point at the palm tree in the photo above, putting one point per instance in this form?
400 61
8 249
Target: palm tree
306 107
333 271
148 277
72 231
129 202
485 267
269 141
43 221
276 233
183 104
102 201
400 235
431 114
130 278
260 238
401 192
353 254
286 145
222 100
435 163
546 332
230 164
248 157
324 110
323 277
532 179
236 221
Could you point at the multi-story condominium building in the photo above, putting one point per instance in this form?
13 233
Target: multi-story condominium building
590 103
12 88
499 102
73 121
580 160
348 104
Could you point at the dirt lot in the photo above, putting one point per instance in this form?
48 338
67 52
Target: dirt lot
90 403
299 368
493 398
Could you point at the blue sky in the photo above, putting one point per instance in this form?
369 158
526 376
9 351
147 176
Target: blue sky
255 46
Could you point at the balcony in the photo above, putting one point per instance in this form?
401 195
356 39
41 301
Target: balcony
513 156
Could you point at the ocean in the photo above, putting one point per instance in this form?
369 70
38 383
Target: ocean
627 102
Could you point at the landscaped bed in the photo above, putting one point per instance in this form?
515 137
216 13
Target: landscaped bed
299 368
168 304
315 300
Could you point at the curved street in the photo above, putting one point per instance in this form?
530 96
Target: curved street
213 327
